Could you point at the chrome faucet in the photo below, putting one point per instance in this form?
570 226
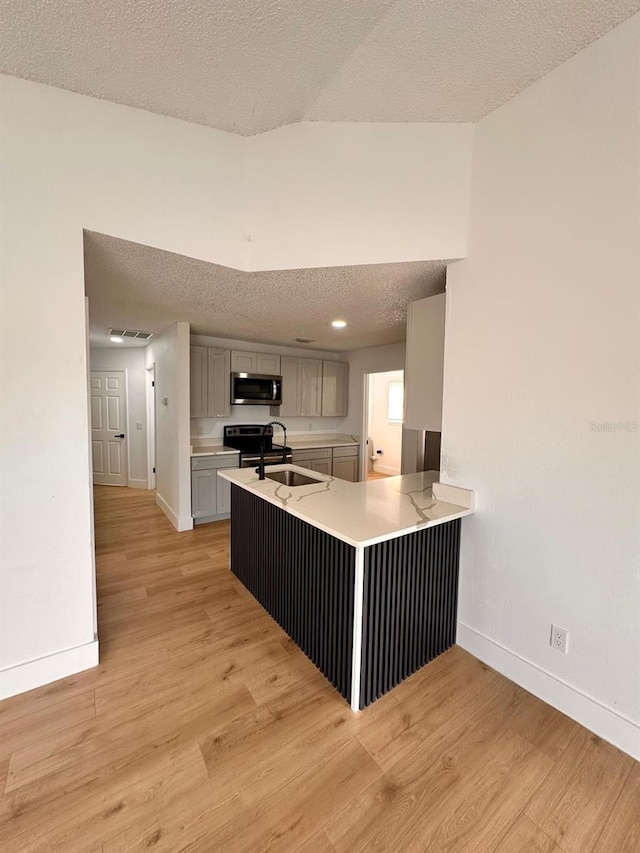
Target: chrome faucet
284 441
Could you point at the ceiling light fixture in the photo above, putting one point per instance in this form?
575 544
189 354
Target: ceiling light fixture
338 324
115 339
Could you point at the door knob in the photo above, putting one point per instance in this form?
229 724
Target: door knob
120 435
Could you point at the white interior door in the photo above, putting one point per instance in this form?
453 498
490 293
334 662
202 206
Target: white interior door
151 426
108 427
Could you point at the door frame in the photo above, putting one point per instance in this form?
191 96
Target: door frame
125 374
364 456
150 374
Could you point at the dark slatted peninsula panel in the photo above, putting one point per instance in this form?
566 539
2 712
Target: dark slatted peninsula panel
409 606
302 577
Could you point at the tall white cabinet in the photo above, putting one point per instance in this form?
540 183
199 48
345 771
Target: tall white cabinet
210 382
424 368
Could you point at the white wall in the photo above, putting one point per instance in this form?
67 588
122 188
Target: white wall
169 352
70 162
385 435
326 194
543 342
133 361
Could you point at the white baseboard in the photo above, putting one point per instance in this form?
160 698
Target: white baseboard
593 715
36 673
180 524
137 484
382 469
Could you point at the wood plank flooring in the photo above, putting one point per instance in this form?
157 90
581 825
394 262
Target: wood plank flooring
205 729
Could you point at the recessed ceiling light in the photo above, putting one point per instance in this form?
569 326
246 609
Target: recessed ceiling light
339 324
116 339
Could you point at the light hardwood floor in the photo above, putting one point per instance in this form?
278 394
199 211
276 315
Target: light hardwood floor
205 729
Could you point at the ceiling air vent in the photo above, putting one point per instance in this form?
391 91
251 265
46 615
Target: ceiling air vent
304 340
130 333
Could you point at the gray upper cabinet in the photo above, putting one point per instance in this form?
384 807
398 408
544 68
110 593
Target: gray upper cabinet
219 384
335 389
198 377
301 387
425 364
310 388
210 382
290 406
255 362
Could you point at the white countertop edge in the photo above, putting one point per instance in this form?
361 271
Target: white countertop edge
454 495
211 447
319 444
213 450
457 511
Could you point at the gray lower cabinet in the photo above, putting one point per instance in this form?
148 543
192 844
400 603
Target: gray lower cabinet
210 494
346 469
317 459
341 462
322 466
346 463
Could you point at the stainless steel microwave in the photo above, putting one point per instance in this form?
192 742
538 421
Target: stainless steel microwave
255 389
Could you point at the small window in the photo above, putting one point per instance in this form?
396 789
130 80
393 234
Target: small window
395 411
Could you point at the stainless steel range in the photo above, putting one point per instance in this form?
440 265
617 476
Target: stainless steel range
248 438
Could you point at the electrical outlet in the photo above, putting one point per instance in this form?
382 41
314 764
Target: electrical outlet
138 424
310 427
199 429
559 639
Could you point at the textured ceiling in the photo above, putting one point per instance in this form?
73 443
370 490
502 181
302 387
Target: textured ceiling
251 65
137 287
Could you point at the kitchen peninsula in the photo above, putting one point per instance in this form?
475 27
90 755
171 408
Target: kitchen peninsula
362 576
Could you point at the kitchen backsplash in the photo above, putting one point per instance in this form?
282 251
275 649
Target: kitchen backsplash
213 427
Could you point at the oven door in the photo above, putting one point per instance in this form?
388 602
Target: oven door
255 389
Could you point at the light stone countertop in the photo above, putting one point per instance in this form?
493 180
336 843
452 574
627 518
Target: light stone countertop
209 447
361 514
297 442
212 450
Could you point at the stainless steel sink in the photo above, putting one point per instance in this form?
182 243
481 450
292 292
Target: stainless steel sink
291 478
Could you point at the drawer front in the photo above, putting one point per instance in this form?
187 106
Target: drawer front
318 453
352 450
322 466
205 463
346 469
